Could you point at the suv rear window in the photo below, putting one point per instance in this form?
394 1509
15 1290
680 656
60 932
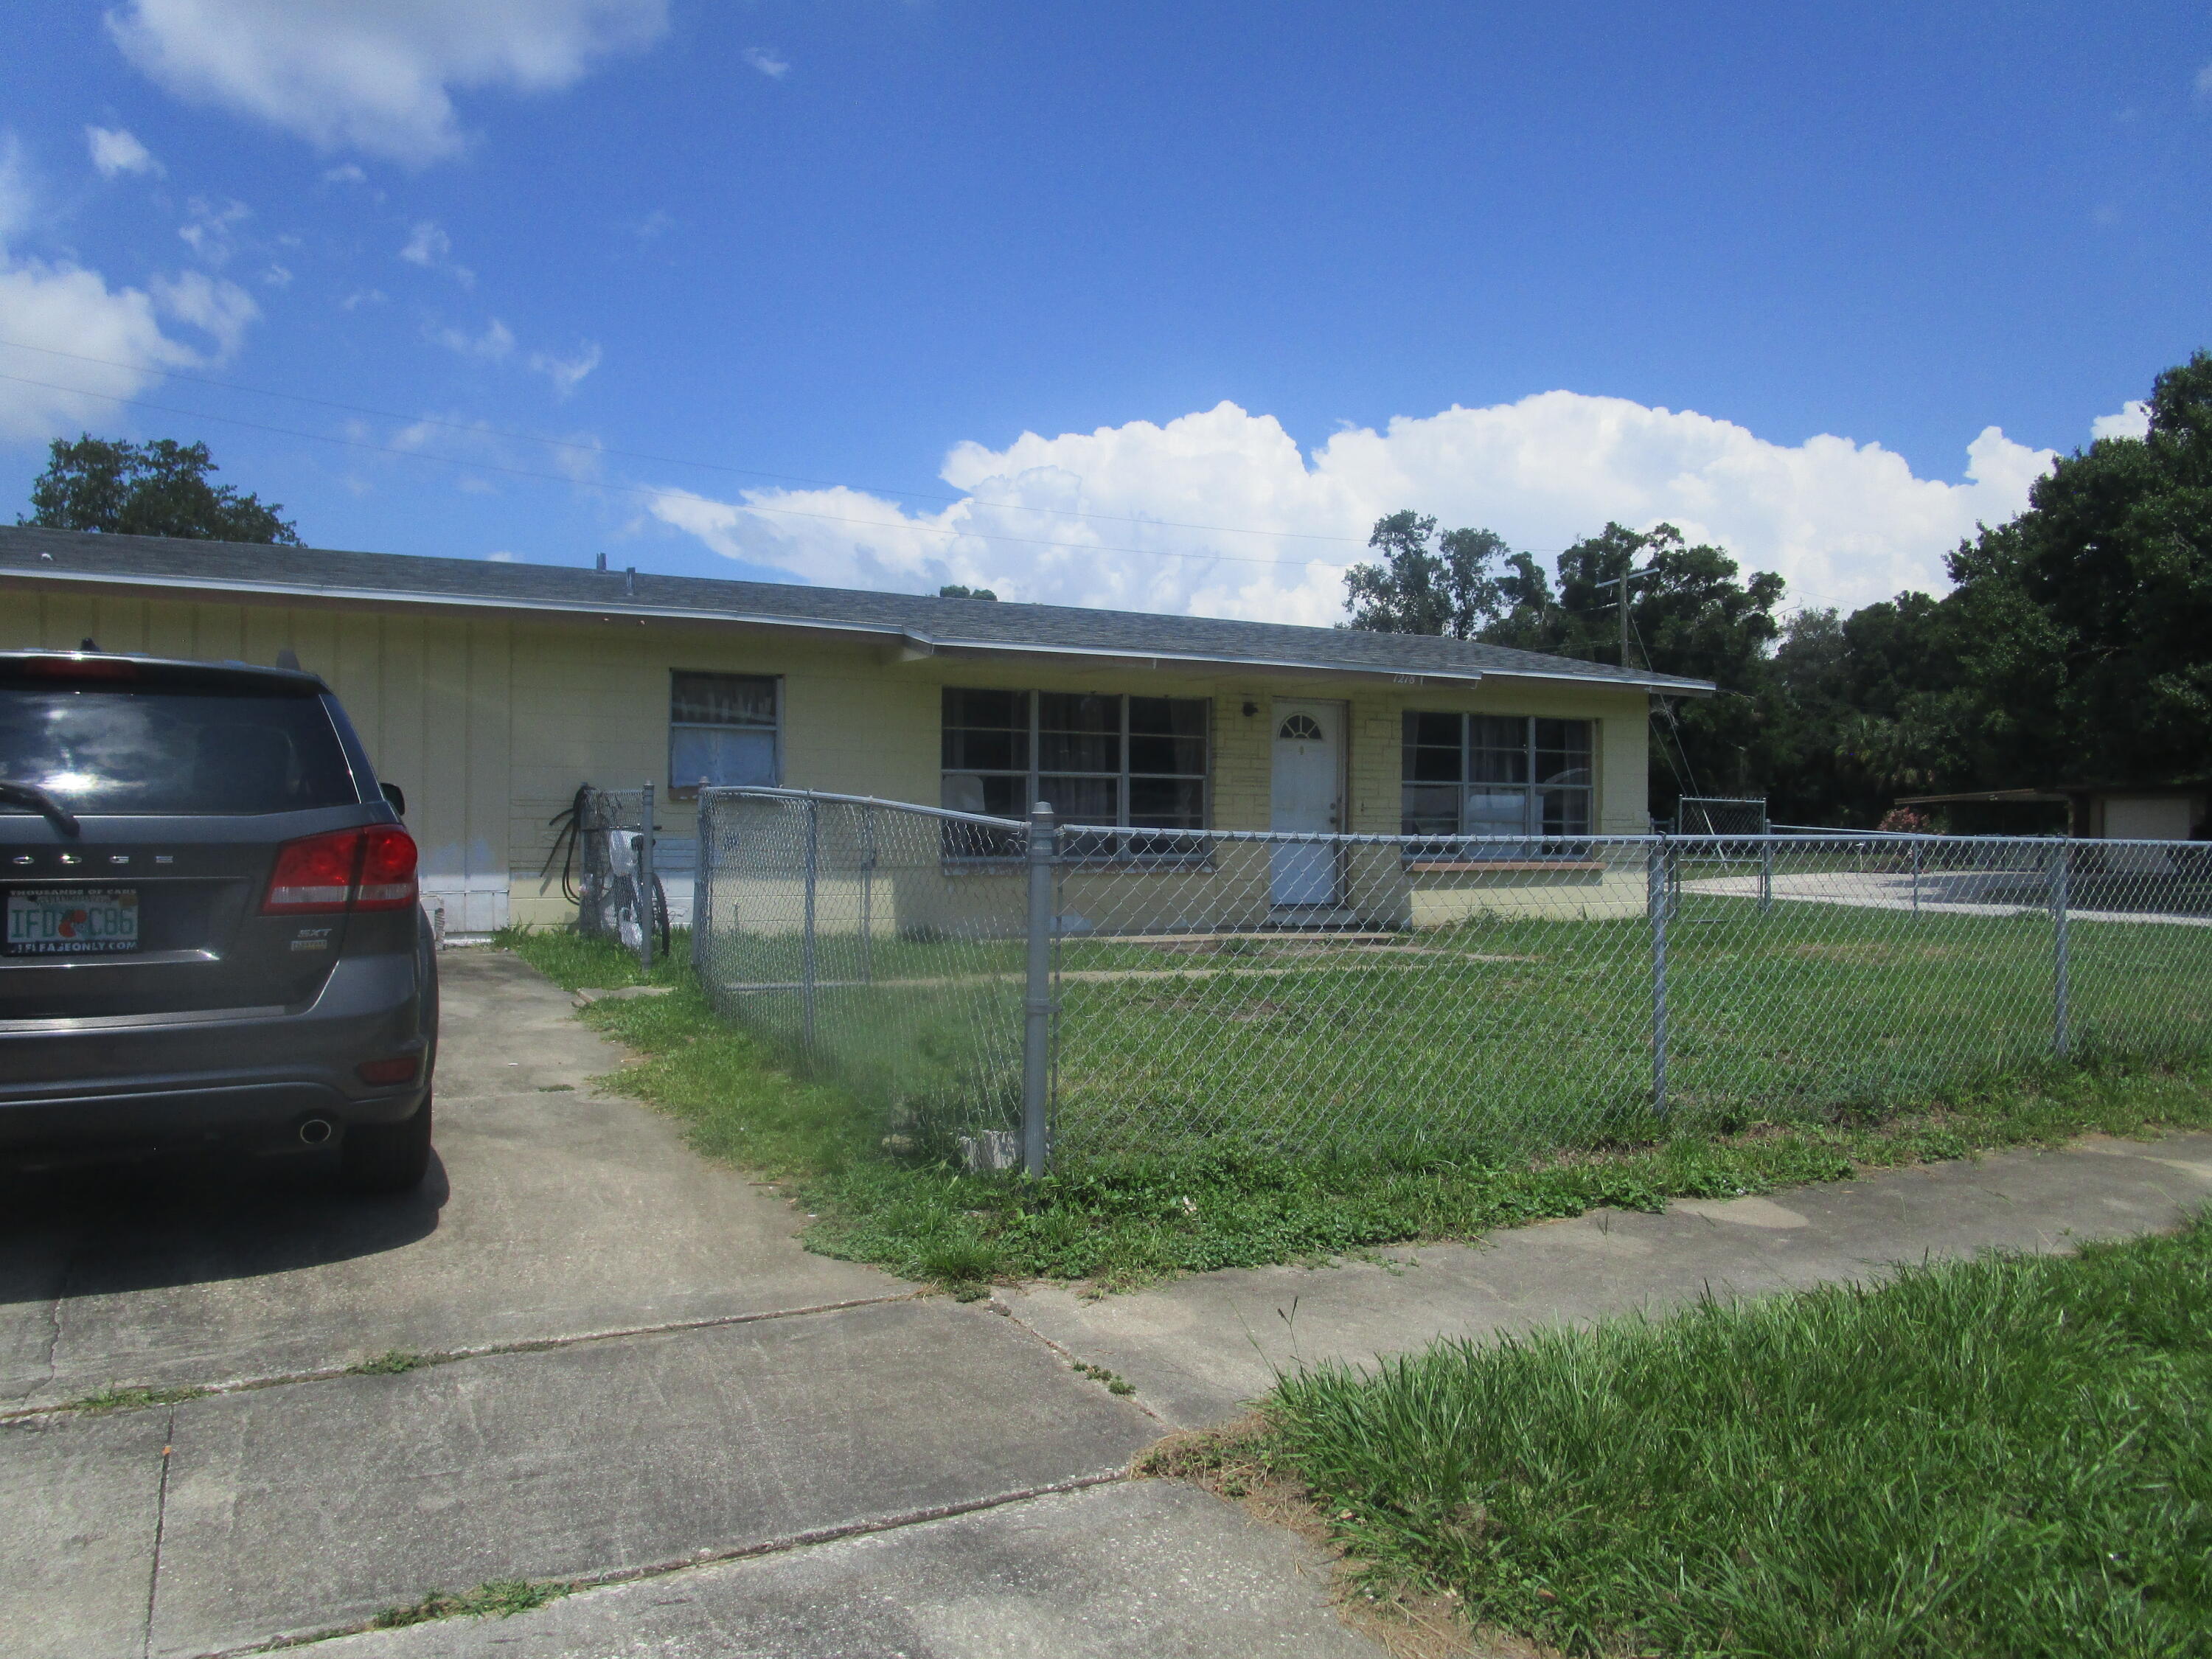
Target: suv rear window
195 752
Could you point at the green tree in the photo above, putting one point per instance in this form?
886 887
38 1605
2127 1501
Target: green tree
157 488
2084 627
1688 613
962 591
1859 706
1420 589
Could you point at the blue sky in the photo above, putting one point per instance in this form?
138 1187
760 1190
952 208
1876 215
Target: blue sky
1041 287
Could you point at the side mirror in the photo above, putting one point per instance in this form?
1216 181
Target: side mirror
397 797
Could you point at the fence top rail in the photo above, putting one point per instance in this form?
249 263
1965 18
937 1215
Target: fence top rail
1833 839
1808 832
764 792
1792 837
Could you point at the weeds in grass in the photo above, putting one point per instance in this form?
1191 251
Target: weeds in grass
575 962
114 1398
1114 1384
391 1363
495 1598
1123 1221
959 1261
1997 1457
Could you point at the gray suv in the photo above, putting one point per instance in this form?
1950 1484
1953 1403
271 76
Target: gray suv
210 932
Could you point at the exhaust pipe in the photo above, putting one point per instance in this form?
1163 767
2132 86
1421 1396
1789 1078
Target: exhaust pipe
315 1131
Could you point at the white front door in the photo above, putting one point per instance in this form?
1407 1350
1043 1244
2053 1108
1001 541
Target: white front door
1307 796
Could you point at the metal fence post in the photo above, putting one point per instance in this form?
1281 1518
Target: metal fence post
1766 873
867 894
1661 880
703 887
1919 849
645 882
806 941
1037 1000
2061 859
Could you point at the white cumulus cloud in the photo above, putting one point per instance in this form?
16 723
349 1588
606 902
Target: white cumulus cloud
374 75
63 307
429 247
495 345
565 372
426 246
218 308
2130 420
211 231
1846 522
768 61
116 151
67 309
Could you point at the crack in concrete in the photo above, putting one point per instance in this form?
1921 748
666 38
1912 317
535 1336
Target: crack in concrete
493 1350
1005 1310
828 1534
161 1520
53 1340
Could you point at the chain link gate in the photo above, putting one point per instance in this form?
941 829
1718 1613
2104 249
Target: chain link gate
1004 992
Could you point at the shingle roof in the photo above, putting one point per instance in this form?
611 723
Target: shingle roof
925 622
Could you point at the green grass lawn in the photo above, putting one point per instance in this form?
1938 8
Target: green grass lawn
2005 1457
884 1194
1500 1035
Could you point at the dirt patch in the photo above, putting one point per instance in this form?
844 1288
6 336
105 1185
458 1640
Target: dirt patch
1406 1622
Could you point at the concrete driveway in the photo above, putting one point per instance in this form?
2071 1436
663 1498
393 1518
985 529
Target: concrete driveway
635 1369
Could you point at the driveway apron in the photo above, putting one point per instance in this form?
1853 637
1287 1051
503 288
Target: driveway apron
633 1367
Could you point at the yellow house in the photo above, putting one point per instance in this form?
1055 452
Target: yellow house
490 691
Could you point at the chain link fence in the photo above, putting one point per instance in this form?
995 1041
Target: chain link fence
976 979
886 944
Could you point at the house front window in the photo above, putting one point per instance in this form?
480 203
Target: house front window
722 729
1496 775
1135 764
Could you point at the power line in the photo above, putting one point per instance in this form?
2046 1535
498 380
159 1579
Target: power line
649 491
666 460
1796 603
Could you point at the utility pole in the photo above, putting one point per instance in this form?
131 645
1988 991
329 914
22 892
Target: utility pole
1623 618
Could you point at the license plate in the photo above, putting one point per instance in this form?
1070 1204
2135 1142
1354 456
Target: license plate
72 921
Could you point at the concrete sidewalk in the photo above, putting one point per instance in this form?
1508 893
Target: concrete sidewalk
1137 1570
1199 1348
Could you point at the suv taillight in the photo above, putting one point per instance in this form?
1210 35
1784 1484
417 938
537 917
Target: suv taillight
388 869
371 869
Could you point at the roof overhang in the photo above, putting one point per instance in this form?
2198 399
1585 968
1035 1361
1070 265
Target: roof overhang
901 643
